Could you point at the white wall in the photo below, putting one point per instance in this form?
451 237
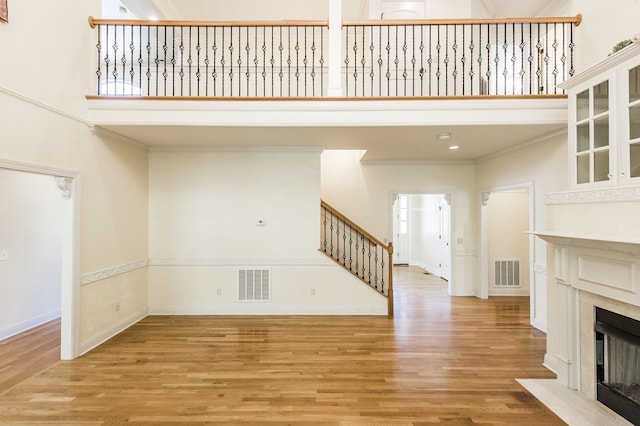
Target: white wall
365 192
604 24
30 232
508 220
204 207
44 126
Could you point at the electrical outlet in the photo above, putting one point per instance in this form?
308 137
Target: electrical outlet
117 306
219 292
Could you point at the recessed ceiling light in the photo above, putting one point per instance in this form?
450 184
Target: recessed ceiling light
444 136
454 147
123 10
153 18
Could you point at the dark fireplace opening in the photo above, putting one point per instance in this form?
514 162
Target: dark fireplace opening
618 363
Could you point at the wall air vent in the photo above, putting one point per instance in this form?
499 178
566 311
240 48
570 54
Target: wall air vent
254 285
506 273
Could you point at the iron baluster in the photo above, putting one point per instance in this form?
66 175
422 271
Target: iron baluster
404 58
421 73
331 234
181 49
496 59
555 57
214 48
454 74
324 234
413 60
438 73
115 59
363 248
571 46
231 74
140 59
463 58
369 267
99 70
396 61
206 61
350 248
165 74
281 73
344 243
430 61
488 74
149 60
446 60
198 60
471 72
123 59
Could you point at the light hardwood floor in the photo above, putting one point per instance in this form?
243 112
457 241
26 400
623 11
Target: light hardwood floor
441 360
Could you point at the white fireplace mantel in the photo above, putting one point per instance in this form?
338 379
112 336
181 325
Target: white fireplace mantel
590 270
603 265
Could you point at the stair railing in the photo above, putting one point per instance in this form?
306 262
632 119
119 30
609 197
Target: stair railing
357 251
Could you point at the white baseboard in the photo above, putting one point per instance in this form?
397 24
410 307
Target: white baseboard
28 324
267 310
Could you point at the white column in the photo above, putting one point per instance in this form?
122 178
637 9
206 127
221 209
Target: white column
68 326
483 290
335 48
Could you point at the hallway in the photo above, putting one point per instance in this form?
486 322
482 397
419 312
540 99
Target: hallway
441 360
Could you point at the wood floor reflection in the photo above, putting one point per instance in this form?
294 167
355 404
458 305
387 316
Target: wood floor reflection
441 360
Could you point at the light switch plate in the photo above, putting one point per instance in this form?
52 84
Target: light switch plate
4 255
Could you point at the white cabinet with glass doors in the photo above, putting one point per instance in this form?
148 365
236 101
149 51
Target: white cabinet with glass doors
604 122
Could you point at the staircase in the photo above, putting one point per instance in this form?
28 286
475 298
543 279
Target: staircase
357 251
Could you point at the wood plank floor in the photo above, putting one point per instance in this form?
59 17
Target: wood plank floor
441 360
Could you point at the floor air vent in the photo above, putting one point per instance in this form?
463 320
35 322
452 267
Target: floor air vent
254 285
506 273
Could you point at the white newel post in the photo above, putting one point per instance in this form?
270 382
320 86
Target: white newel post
335 48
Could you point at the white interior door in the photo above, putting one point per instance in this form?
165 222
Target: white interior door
445 238
401 230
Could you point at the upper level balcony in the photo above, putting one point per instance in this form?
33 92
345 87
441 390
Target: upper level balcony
344 77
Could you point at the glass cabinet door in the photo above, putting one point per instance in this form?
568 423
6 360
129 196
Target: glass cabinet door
592 135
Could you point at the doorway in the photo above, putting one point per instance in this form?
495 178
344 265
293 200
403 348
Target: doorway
507 250
52 191
422 232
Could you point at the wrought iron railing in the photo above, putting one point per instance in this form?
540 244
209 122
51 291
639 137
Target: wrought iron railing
212 59
357 251
425 58
458 57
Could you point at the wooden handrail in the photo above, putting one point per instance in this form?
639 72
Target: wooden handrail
575 20
93 22
353 225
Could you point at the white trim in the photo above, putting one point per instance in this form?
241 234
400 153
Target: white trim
41 105
319 261
205 148
110 134
544 138
418 162
26 325
70 264
103 274
631 193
